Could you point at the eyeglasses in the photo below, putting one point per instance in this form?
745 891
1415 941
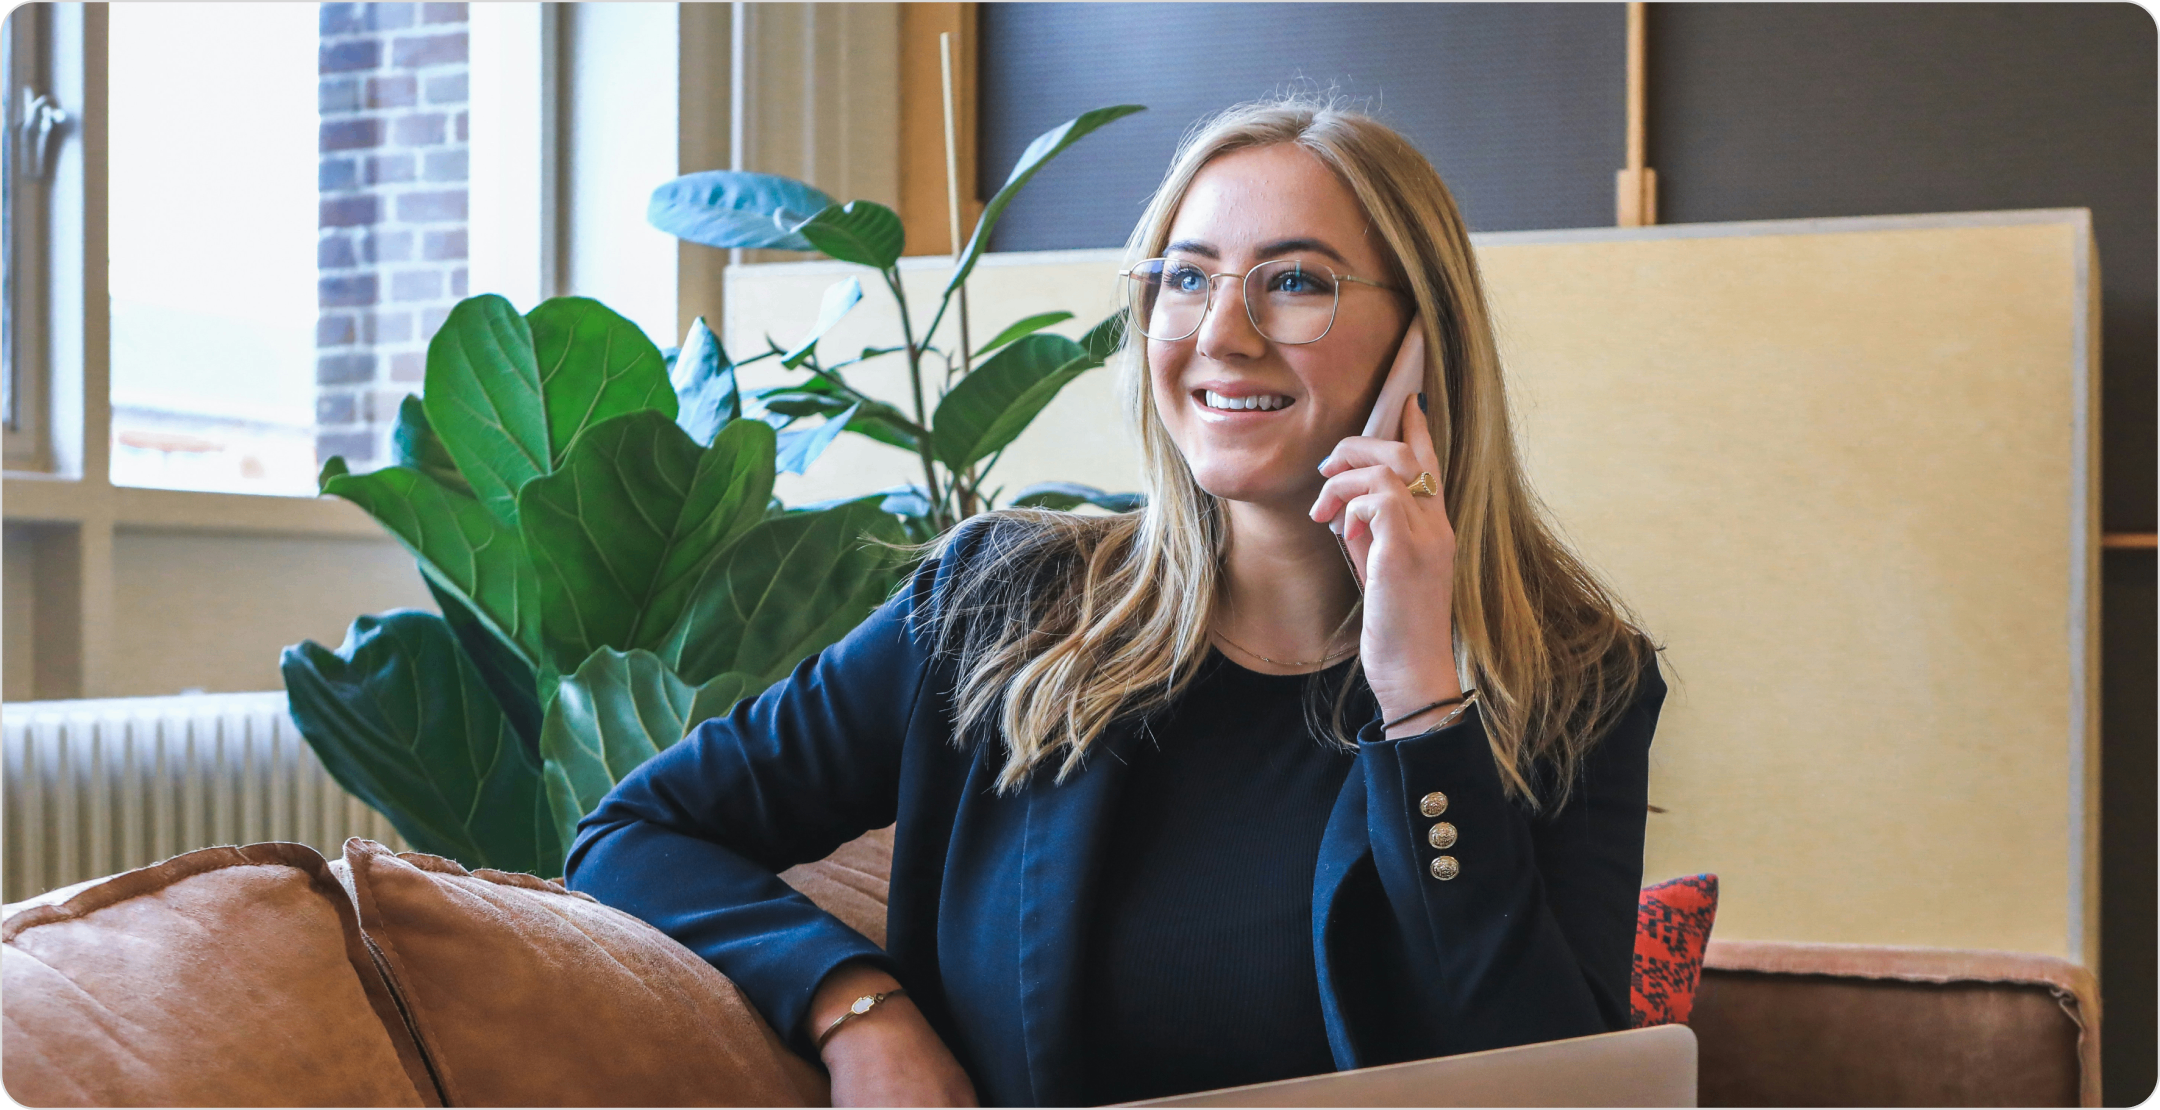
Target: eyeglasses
1288 301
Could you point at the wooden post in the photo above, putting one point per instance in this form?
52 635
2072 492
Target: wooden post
1636 186
922 126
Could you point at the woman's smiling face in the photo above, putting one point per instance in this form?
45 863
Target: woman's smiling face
1242 209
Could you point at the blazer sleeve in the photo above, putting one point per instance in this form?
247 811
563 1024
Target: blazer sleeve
1534 938
692 840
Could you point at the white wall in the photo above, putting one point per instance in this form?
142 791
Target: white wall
18 587
211 612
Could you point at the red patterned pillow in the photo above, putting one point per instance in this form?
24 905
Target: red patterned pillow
1672 924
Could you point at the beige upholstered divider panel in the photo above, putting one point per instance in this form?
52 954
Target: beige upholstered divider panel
1842 469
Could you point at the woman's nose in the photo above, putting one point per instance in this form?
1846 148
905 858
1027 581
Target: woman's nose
1227 332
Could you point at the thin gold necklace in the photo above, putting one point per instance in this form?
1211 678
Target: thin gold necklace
1281 662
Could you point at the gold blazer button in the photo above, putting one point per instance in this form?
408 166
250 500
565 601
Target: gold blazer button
1433 804
1445 868
1441 836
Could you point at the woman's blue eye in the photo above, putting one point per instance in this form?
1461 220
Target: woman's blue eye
1185 279
1299 281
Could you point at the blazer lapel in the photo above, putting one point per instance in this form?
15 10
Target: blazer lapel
1342 847
1061 854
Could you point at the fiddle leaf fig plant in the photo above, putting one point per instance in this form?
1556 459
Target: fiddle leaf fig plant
595 520
567 506
956 425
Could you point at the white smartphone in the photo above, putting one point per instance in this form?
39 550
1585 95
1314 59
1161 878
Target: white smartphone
1403 382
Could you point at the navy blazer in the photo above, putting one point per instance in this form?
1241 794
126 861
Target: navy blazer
991 894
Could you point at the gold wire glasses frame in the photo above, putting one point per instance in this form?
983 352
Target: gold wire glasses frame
1167 300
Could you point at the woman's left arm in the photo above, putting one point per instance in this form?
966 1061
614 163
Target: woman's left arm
1532 938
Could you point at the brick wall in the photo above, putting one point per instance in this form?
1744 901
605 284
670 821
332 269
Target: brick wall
390 256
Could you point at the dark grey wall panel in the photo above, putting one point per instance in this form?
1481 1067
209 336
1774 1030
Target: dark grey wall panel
1520 106
2128 860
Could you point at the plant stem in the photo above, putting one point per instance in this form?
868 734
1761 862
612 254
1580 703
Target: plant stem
976 476
914 366
969 505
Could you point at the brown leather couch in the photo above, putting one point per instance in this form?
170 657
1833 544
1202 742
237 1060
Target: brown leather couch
1784 1024
267 975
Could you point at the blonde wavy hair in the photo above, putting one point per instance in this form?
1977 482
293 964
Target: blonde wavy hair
1065 624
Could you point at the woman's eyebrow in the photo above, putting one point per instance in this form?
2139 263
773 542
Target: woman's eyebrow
1275 249
1286 246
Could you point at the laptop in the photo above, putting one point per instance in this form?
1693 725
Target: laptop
1634 1067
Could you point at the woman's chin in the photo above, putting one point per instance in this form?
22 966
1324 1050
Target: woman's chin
1258 485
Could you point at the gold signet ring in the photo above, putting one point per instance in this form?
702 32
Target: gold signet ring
1425 486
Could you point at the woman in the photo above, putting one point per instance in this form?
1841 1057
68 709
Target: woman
1177 807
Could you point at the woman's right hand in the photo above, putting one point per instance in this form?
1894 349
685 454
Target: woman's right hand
889 1056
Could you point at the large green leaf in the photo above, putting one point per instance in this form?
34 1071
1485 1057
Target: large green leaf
1018 328
622 532
508 676
414 443
995 402
859 231
482 398
793 585
718 696
594 364
839 298
462 546
1104 339
1046 146
726 208
401 719
617 711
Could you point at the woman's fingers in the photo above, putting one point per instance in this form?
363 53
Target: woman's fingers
1392 511
1349 484
1357 452
1417 435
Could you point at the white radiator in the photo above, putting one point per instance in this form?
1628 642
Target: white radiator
95 787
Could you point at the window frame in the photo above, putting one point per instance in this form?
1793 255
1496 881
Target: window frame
26 71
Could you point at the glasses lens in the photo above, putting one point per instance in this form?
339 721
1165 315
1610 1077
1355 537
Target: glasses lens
1166 298
1291 302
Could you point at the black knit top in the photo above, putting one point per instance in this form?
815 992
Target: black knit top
1199 962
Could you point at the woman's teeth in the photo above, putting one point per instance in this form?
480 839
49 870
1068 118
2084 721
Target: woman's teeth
1266 402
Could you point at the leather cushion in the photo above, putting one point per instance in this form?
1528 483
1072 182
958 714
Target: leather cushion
1819 1040
1672 926
524 993
852 883
222 977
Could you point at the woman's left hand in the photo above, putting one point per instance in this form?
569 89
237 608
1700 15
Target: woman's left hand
1402 548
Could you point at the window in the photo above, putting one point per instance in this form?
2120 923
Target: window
287 229
212 227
